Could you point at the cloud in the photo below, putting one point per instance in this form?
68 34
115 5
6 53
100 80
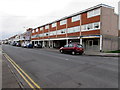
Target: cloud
18 15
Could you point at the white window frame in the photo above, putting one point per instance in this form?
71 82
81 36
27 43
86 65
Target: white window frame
76 18
47 27
45 34
36 29
54 24
93 13
63 22
98 24
74 29
84 27
59 32
33 31
52 33
41 28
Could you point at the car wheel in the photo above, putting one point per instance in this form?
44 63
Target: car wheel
80 53
61 51
73 53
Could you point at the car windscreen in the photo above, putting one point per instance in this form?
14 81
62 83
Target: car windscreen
80 46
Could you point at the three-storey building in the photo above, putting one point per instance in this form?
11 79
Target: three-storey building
96 28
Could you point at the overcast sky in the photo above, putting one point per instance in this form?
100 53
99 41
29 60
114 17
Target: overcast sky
18 15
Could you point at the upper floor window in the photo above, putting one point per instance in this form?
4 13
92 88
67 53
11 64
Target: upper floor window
76 18
36 29
46 34
54 25
97 25
93 13
52 33
41 28
47 27
74 29
33 31
62 31
91 26
63 22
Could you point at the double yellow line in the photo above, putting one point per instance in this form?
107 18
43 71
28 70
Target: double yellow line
24 75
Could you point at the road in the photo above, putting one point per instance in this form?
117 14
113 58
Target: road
50 69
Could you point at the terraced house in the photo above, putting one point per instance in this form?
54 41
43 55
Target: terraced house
96 28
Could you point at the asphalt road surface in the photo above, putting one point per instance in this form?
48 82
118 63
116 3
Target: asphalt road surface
51 69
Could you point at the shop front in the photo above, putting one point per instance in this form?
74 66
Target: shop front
91 43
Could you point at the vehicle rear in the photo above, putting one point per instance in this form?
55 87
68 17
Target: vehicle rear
79 49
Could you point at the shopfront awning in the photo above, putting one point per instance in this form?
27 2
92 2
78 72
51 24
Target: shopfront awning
51 39
91 36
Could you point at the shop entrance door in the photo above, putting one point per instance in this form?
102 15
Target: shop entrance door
89 44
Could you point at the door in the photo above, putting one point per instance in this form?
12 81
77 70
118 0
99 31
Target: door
89 44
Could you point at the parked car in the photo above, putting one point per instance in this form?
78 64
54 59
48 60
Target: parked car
14 44
18 44
24 45
72 48
38 46
29 45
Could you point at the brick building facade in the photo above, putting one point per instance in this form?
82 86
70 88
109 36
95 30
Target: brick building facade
96 28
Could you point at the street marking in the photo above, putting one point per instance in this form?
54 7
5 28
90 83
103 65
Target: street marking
20 70
20 73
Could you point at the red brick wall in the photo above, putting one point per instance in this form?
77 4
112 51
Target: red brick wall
86 20
63 35
35 38
60 26
52 28
94 32
72 24
54 36
73 34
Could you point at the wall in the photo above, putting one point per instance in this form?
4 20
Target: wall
109 29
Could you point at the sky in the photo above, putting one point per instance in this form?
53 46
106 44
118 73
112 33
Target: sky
18 15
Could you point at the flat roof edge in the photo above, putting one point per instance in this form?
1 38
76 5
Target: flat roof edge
97 6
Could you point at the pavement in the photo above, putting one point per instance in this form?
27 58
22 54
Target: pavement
93 53
0 68
9 79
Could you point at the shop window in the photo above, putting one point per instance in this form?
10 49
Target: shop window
66 46
71 45
90 43
95 42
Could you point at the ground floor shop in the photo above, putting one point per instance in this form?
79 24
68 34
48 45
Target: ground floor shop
89 43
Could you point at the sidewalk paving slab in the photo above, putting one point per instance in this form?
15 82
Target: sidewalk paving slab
95 53
92 53
8 78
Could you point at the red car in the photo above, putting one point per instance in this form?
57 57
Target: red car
72 48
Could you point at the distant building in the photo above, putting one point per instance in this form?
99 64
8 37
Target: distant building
22 38
96 28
